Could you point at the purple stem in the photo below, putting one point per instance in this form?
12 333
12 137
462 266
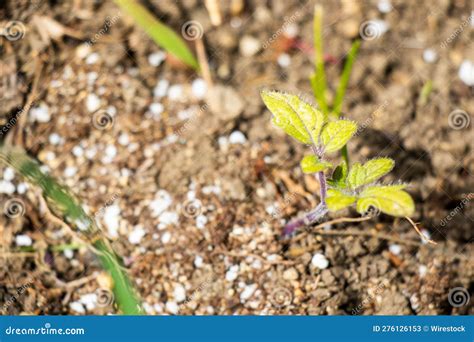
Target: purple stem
314 215
318 212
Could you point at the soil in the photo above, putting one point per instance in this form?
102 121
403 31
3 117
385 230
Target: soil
195 184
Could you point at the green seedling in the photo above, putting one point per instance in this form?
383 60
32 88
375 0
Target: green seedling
66 207
159 32
346 186
318 78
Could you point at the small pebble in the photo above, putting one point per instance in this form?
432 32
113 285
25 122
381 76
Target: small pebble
237 137
161 202
179 293
123 139
466 72
68 253
284 60
8 174
136 235
111 220
291 30
422 269
55 139
21 188
92 58
70 171
156 109
201 221
290 274
232 273
89 300
23 240
156 58
430 56
384 6
248 292
166 237
161 88
199 88
395 249
6 187
175 92
78 307
40 114
92 102
320 261
249 46
198 261
172 307
168 217
77 151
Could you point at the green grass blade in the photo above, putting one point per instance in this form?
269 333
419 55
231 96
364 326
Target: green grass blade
346 74
65 206
159 32
425 93
318 79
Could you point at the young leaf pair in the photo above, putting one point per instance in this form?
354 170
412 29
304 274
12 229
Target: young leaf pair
308 125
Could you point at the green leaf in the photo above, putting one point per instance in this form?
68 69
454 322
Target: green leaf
296 117
337 200
335 134
390 199
318 79
64 205
159 32
346 73
339 176
369 172
311 164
